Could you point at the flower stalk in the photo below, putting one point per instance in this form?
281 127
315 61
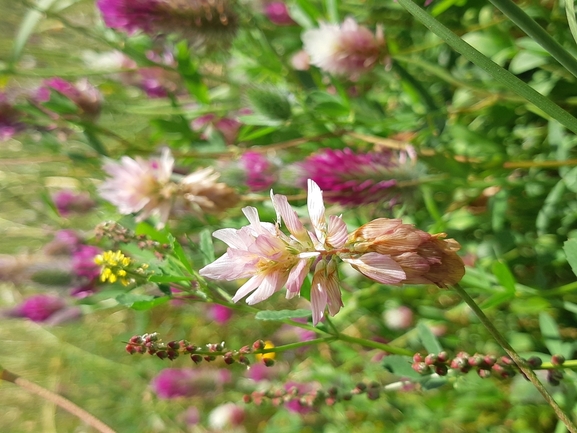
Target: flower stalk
522 364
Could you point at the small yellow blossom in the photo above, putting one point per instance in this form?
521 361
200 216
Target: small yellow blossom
113 267
267 345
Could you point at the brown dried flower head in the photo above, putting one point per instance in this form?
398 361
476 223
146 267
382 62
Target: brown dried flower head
425 258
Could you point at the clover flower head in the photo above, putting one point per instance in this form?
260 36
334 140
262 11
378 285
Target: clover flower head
198 20
386 250
346 49
354 178
141 186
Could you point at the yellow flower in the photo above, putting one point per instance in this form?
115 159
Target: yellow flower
113 267
267 345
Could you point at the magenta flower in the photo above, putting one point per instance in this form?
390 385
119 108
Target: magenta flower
68 202
195 19
260 172
187 382
130 16
277 12
352 179
39 308
272 260
346 49
84 95
226 416
83 262
226 126
220 314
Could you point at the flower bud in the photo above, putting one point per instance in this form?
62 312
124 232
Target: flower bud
557 359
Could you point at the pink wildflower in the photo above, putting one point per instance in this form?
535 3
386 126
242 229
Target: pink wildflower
260 172
272 260
83 94
68 202
277 12
346 49
141 186
39 308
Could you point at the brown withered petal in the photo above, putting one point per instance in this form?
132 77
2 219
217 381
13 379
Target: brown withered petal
425 258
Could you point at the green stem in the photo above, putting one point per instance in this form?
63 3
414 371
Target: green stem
497 72
571 364
374 345
537 33
522 364
57 399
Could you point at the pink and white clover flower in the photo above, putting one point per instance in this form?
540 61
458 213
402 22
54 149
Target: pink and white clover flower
272 259
346 49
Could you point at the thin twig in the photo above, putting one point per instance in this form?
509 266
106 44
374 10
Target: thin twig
64 403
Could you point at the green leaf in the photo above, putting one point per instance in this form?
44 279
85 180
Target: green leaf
189 71
141 302
498 73
432 382
552 337
499 203
428 339
570 248
206 246
401 366
169 278
570 11
29 23
282 314
504 276
332 10
550 207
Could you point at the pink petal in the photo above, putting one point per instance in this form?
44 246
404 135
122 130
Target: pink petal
337 232
316 209
248 287
318 297
296 277
290 218
378 267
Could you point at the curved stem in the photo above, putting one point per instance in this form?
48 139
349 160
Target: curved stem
57 399
525 369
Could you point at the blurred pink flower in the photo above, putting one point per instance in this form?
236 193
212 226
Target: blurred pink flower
398 318
346 49
193 18
83 264
83 94
226 416
354 178
271 259
220 314
187 382
39 308
141 186
68 202
301 389
228 127
301 61
129 15
277 12
260 172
